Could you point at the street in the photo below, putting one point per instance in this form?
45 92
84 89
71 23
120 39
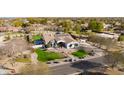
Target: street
70 68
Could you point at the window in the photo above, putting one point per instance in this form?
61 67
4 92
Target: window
70 45
76 44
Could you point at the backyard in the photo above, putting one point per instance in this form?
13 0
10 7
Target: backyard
80 53
47 56
37 37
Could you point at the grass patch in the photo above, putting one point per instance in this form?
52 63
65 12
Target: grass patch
37 37
47 56
23 60
80 53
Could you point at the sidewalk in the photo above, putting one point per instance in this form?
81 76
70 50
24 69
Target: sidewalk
61 61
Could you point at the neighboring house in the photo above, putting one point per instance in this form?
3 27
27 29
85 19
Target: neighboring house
107 27
36 27
60 40
13 29
120 32
2 29
108 35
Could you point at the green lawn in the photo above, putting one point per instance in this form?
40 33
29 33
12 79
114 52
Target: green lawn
47 56
80 53
37 37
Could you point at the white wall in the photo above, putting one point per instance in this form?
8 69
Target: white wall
73 45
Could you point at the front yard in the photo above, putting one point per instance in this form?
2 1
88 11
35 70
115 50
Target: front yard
80 53
47 56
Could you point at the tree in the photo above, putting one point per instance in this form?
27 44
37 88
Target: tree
113 58
31 20
121 38
77 28
1 22
101 41
25 24
66 24
17 22
122 26
37 20
43 21
113 53
35 69
95 26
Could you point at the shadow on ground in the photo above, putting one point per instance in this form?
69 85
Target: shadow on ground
89 68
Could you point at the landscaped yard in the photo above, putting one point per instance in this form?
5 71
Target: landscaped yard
47 56
80 53
37 37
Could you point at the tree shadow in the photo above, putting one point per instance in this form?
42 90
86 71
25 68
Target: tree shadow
89 68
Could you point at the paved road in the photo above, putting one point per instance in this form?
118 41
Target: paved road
71 68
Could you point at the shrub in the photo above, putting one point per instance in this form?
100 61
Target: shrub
80 53
121 38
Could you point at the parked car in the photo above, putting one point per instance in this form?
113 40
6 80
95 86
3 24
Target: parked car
48 62
81 57
56 62
70 60
92 53
65 60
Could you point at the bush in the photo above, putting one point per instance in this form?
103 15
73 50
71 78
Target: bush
80 53
121 38
34 69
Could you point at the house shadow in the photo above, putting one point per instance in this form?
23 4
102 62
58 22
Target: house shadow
89 68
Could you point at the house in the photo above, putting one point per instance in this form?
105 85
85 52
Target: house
65 40
2 29
48 36
60 40
36 27
14 29
107 26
